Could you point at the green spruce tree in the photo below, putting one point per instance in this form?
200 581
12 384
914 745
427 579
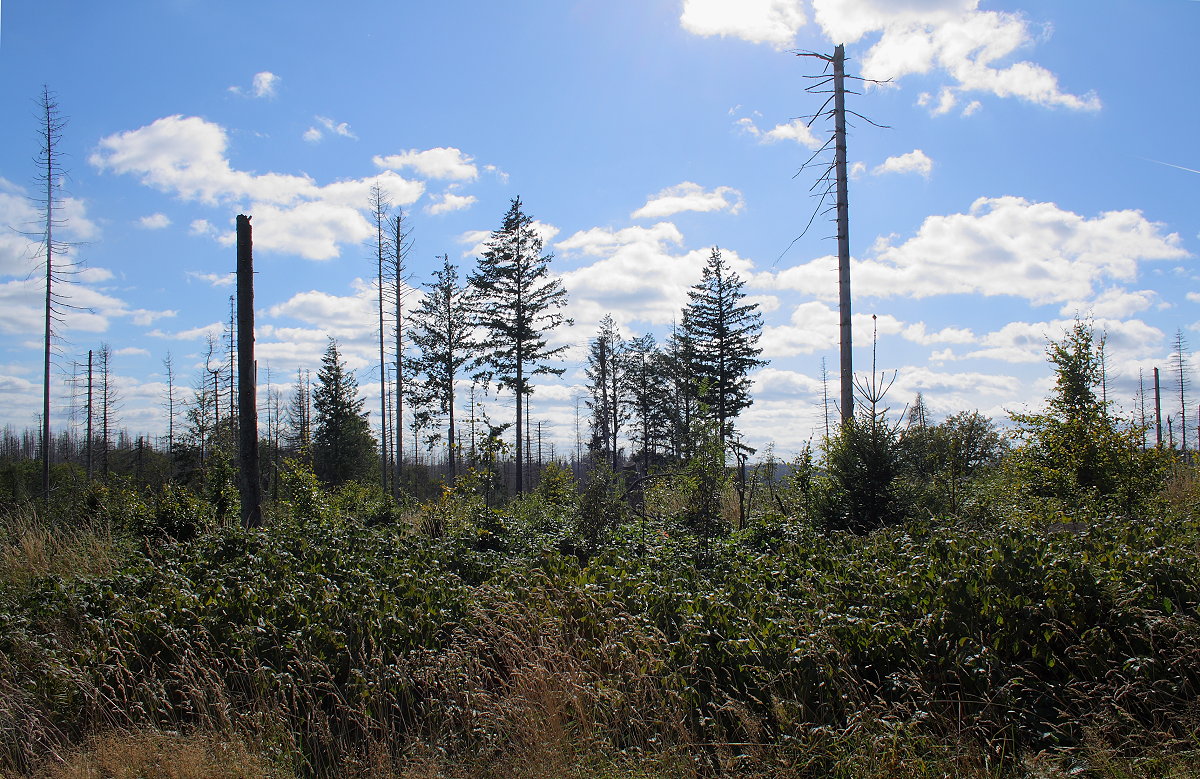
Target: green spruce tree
517 304
343 447
722 332
605 372
1077 452
444 336
647 391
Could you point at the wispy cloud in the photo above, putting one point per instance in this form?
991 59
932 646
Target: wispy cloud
264 84
314 134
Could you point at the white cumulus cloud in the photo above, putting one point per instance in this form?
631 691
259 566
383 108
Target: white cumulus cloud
1002 246
915 161
477 239
972 47
188 157
758 21
440 163
689 196
154 221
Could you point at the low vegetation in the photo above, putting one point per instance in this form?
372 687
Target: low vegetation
912 600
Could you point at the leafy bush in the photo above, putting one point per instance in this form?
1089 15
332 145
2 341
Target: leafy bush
602 506
175 513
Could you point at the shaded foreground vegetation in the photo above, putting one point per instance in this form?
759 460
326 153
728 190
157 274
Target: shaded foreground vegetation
565 635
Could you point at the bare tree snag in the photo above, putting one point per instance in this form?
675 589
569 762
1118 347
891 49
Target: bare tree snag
843 231
251 482
1157 411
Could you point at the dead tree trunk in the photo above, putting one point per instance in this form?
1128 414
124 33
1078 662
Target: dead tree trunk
1157 411
251 481
843 230
90 434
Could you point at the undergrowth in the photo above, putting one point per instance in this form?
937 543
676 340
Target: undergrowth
475 642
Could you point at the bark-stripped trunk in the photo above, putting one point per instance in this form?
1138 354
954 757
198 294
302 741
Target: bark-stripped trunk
843 230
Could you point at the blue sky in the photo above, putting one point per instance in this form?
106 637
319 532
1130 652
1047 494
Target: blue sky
1040 163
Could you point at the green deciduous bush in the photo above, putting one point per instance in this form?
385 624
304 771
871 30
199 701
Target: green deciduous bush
601 508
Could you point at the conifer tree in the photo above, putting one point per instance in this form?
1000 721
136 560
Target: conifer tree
443 333
683 407
343 447
517 304
646 395
723 334
1077 451
605 370
299 415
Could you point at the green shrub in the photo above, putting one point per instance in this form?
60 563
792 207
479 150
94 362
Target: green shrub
175 513
863 490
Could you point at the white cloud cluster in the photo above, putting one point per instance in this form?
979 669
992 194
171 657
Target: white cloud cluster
201 227
758 21
796 130
689 196
92 307
350 318
22 293
188 157
1002 246
1025 342
20 229
953 36
600 241
915 36
813 326
637 276
264 84
440 163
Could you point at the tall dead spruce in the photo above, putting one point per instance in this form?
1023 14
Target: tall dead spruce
49 204
833 182
379 212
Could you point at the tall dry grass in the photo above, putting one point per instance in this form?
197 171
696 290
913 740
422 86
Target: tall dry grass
151 754
31 547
